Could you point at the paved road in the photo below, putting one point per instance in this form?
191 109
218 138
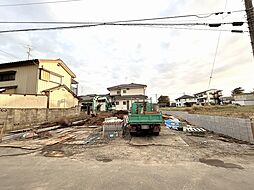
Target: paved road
38 172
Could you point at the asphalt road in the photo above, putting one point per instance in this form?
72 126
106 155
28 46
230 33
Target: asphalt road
39 173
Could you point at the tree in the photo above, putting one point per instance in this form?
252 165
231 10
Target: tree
163 100
238 90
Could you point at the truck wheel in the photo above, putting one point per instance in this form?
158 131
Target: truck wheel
133 134
156 133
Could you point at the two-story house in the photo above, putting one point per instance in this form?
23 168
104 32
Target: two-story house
185 100
211 96
124 94
41 76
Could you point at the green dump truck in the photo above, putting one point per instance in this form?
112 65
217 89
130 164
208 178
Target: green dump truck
143 118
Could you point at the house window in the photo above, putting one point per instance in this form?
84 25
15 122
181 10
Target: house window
7 76
117 103
127 89
118 92
44 75
124 91
124 103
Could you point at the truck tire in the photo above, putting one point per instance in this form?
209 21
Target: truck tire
133 134
156 133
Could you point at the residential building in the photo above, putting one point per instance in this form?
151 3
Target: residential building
211 96
185 100
227 99
123 95
94 103
244 99
41 76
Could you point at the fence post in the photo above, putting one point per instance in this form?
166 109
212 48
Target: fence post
252 126
1 131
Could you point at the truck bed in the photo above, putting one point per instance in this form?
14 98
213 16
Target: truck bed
145 118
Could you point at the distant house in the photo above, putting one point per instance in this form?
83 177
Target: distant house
95 102
211 96
50 77
244 99
124 94
227 99
185 100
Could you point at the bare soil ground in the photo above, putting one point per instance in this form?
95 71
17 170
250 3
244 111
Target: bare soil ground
84 145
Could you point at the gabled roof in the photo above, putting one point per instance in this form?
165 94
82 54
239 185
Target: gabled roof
185 97
63 65
36 62
60 86
123 86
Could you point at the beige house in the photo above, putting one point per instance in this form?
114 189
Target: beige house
123 95
51 78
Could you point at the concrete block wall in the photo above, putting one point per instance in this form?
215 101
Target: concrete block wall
18 118
238 128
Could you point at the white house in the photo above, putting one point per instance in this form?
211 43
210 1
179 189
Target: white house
185 100
123 95
244 99
211 96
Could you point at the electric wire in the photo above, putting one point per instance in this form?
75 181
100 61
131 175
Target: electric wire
216 51
108 24
9 54
200 29
38 3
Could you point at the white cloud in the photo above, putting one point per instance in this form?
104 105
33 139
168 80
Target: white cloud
169 61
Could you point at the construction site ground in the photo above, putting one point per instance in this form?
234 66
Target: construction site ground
77 157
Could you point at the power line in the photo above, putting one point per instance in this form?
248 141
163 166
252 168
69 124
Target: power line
200 29
38 3
119 24
113 23
216 51
9 54
200 15
129 22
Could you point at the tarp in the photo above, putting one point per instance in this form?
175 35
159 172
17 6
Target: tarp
172 123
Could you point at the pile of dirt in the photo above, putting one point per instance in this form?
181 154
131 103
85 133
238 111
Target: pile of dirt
120 114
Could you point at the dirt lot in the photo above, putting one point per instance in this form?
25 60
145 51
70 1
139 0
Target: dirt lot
84 144
225 110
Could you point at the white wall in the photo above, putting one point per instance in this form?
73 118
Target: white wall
244 102
134 91
121 106
23 101
181 102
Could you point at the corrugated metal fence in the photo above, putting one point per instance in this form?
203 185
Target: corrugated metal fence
238 128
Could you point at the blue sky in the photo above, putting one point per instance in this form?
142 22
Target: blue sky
170 61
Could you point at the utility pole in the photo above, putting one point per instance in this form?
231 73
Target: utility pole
28 52
250 19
